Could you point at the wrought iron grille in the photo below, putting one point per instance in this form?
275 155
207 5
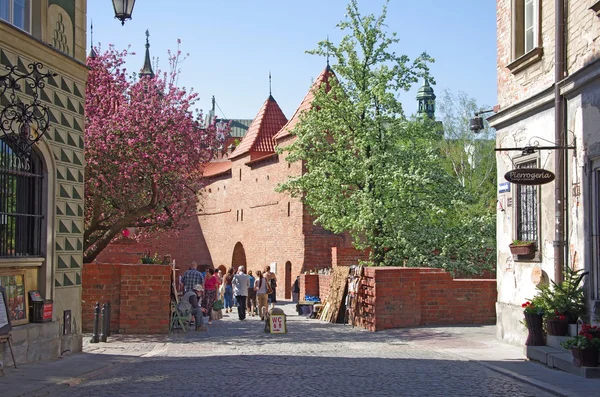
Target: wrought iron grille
23 121
21 216
527 208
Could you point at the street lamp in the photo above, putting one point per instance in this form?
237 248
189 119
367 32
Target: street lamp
123 9
476 123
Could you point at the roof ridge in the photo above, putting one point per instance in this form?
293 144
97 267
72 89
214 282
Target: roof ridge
306 103
266 124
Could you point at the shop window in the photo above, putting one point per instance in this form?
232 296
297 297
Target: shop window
21 215
527 207
17 13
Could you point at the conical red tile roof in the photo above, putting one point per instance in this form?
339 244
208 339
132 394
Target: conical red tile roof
306 103
266 124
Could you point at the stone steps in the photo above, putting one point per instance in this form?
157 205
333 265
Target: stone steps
555 356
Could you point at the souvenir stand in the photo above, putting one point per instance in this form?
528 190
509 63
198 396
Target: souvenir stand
352 301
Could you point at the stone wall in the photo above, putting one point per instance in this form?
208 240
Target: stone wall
139 296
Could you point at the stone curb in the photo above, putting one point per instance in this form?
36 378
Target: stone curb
557 391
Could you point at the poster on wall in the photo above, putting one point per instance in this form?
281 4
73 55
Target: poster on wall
14 286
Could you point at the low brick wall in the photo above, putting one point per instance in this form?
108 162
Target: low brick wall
398 297
139 296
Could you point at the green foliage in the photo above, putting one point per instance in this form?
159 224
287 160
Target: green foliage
149 260
566 297
375 174
521 242
581 342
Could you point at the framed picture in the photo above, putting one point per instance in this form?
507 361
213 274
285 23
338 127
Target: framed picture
14 286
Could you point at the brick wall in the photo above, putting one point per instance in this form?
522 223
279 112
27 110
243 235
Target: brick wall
139 296
395 297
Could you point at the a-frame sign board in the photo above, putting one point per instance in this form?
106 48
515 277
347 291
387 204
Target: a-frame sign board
5 326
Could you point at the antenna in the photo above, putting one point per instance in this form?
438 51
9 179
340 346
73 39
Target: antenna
327 50
269 83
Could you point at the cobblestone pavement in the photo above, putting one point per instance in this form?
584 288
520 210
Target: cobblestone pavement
236 358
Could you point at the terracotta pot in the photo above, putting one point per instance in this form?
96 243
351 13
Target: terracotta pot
522 249
557 327
536 330
585 357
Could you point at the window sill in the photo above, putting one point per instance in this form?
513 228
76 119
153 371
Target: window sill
596 8
524 61
21 262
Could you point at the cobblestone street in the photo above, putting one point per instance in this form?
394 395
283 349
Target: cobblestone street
236 358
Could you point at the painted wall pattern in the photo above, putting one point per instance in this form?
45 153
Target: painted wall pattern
65 100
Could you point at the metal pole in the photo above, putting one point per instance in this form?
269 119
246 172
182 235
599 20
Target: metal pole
559 134
95 337
103 328
108 321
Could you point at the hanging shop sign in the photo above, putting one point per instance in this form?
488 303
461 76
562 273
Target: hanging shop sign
529 176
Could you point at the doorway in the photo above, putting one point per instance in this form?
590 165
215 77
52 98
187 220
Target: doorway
239 256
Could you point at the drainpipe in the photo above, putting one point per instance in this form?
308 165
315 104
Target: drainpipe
559 138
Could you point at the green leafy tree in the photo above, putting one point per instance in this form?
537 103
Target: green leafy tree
369 170
471 159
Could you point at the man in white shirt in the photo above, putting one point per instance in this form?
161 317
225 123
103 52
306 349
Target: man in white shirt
241 283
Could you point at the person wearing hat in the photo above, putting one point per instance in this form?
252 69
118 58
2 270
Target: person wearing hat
190 303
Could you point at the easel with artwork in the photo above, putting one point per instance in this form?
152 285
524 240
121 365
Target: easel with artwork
5 325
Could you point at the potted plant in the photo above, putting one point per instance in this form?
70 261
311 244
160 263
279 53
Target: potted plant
520 247
534 311
566 298
557 323
593 330
584 348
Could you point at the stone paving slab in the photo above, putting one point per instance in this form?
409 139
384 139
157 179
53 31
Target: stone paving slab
314 358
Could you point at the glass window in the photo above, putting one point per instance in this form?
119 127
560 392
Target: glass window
17 13
530 28
5 10
527 208
20 204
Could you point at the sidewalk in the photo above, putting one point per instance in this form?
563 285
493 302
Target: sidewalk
475 343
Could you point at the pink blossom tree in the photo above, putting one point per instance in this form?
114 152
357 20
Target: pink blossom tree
145 149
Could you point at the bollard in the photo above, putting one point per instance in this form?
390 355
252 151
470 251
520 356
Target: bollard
103 326
108 321
95 337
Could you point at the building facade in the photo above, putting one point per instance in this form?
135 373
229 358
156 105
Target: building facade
41 197
547 117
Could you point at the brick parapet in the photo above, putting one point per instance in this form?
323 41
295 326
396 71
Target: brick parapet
139 296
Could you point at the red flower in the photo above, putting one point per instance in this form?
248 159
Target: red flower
589 336
526 304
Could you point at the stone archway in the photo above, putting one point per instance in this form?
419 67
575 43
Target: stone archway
239 256
288 280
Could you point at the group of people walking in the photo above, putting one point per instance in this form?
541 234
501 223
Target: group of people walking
203 293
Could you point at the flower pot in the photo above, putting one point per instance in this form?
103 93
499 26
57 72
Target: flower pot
585 357
522 249
536 330
557 327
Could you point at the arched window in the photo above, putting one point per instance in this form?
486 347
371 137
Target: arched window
21 215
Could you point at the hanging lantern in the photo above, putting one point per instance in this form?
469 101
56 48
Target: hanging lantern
123 9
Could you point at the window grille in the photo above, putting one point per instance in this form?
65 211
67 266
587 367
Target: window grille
527 208
21 215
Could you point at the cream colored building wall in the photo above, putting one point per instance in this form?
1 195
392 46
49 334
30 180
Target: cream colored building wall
526 117
62 148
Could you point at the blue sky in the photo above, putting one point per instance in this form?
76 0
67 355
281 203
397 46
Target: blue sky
233 44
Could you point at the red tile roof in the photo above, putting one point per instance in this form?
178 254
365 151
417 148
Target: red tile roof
266 124
216 168
306 103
